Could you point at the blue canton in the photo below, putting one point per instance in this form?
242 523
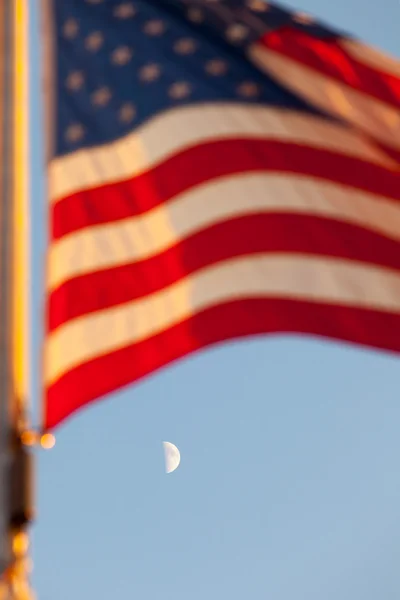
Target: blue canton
120 63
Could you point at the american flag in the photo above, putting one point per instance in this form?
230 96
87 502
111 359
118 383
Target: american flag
218 169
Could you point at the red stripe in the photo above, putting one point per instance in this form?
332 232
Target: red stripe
329 58
113 202
391 152
237 237
110 372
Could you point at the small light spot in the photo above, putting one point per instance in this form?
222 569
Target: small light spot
29 438
75 80
216 67
74 133
20 544
185 46
47 441
94 41
179 90
150 72
127 112
101 97
121 55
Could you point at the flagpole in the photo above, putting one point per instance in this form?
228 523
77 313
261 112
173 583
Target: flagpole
21 213
22 501
14 279
5 171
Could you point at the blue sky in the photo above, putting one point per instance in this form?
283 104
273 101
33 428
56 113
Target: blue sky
289 485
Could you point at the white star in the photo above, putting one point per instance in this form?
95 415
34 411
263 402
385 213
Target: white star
185 46
258 5
127 112
237 32
75 80
74 133
155 27
248 89
195 15
94 41
179 90
150 72
121 55
70 28
101 97
125 10
216 67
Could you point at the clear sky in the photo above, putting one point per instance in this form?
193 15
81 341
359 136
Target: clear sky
289 485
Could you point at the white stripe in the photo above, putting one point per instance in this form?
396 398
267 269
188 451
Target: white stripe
373 116
314 279
372 57
179 129
137 238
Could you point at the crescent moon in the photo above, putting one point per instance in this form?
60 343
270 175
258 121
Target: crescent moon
172 457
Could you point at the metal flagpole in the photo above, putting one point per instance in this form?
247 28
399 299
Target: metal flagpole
5 553
14 298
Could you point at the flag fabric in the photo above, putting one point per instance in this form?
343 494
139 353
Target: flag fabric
219 169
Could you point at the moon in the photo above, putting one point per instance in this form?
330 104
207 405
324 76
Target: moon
172 457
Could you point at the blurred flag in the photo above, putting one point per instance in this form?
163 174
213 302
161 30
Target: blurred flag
218 169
